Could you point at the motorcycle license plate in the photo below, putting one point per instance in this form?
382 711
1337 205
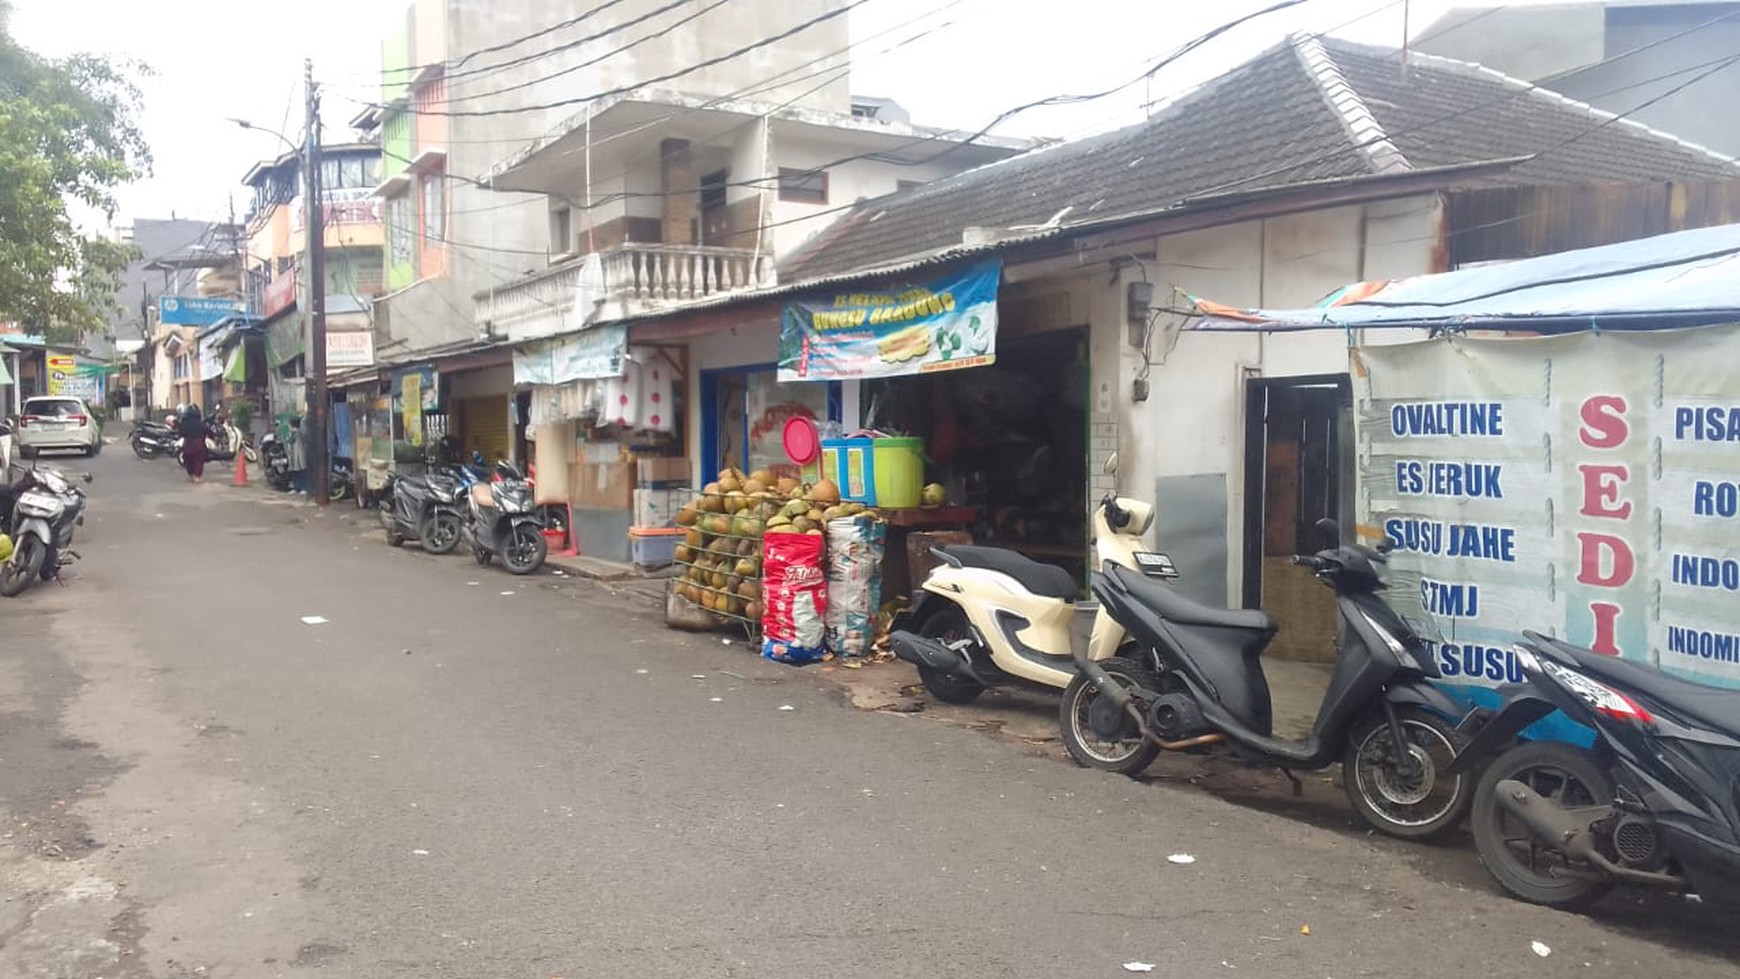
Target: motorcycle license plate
37 501
1156 565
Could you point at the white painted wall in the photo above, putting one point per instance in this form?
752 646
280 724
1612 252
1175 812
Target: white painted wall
742 346
1193 421
794 223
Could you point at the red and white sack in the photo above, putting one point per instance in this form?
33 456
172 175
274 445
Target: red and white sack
794 590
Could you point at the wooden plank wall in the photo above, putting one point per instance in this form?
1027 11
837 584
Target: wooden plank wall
1501 223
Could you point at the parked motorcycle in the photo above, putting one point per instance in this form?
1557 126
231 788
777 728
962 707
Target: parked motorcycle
340 479
151 439
276 460
504 521
1197 682
427 507
989 617
1655 802
39 513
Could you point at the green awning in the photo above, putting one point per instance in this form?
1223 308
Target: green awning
236 371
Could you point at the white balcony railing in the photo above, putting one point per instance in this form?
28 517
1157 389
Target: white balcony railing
637 278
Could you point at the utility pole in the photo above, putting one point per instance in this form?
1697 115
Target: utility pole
317 429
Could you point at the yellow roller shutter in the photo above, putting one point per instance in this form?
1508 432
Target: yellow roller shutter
483 427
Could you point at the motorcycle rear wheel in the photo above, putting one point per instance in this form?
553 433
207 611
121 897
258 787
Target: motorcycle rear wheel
142 451
1125 756
947 625
440 533
1407 805
1565 776
25 566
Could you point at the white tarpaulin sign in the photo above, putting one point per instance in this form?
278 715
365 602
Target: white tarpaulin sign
587 356
1584 486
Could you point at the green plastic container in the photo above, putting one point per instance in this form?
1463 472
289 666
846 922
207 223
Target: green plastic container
899 472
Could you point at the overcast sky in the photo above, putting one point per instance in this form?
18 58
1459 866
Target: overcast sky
217 58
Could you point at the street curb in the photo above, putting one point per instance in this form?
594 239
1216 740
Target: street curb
599 569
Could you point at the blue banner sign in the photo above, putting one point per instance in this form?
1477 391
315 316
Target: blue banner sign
195 310
948 323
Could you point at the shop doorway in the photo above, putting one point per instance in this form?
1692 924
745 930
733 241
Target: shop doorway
1009 439
744 411
1298 470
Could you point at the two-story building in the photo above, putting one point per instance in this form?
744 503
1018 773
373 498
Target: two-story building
635 157
1665 63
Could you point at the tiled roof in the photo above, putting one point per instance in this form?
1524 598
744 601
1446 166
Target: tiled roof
1309 109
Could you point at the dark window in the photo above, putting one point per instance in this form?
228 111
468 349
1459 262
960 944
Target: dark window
713 190
562 230
803 186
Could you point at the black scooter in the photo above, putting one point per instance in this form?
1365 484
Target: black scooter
1197 682
1655 802
151 439
430 508
504 521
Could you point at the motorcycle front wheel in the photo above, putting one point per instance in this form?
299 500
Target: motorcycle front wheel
525 550
25 566
1409 801
440 533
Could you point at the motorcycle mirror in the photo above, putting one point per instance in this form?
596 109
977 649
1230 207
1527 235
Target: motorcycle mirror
1111 467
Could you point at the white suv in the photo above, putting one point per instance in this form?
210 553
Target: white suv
56 421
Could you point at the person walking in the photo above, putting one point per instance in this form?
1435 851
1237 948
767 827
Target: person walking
296 453
193 430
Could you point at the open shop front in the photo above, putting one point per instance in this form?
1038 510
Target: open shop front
598 411
997 408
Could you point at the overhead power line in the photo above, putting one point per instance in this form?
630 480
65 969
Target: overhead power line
505 45
668 76
569 70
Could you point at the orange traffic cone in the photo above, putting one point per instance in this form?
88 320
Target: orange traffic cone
241 477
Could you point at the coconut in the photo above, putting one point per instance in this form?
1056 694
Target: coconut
752 611
825 493
729 483
747 568
692 537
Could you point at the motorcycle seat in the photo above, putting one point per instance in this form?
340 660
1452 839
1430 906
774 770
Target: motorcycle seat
1047 580
1712 705
1174 607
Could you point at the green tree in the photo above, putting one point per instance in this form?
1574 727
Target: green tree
68 136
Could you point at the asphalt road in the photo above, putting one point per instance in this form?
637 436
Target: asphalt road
447 780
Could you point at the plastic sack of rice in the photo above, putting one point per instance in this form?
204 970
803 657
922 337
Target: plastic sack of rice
855 546
794 588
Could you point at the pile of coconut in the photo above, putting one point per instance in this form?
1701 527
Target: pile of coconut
723 528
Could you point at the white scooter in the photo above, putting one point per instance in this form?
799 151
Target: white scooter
989 617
